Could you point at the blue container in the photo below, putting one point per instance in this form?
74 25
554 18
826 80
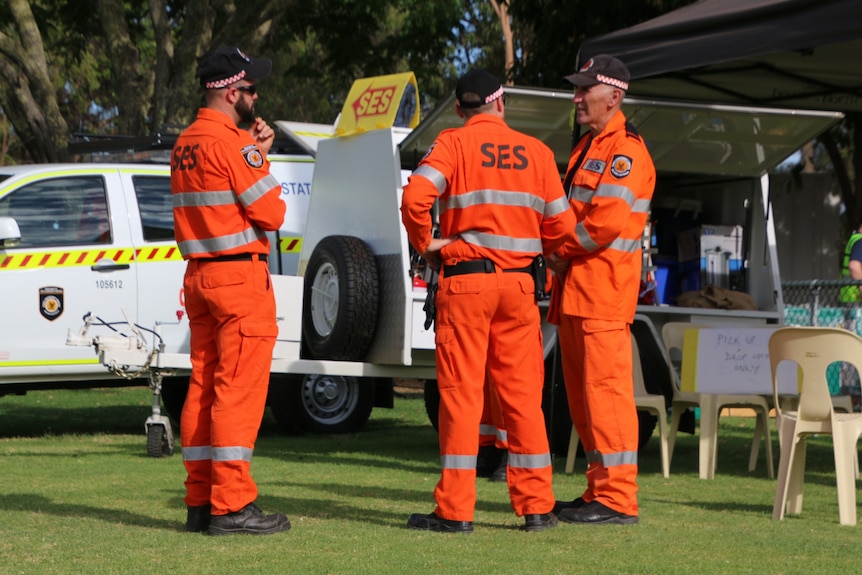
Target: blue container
666 279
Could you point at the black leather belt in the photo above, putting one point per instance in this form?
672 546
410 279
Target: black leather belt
478 267
237 258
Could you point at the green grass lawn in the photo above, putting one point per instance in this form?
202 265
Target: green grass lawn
79 495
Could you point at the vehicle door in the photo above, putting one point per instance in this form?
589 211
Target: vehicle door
75 256
160 267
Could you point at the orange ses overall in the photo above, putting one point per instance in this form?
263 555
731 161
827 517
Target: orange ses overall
500 193
610 193
224 202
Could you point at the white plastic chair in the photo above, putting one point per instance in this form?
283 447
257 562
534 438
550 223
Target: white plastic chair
813 349
710 405
645 401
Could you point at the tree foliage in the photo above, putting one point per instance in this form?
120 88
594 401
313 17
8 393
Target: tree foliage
127 66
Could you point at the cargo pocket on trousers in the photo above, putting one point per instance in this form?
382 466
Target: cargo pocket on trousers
255 351
529 310
222 279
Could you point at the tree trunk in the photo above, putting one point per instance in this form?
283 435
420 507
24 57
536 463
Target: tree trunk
28 93
501 7
135 90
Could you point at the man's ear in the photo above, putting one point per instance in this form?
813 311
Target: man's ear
458 109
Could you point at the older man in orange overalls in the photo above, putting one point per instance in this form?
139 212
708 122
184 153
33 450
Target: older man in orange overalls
610 182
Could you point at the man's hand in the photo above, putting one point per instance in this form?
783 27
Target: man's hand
262 134
558 265
432 252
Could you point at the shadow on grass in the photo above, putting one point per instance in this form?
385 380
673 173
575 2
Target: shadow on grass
40 504
37 421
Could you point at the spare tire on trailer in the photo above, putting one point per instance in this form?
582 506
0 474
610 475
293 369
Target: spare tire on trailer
340 304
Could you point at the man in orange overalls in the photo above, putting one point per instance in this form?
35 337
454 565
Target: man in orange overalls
225 200
610 182
501 206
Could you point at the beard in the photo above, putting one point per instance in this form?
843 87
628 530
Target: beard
245 111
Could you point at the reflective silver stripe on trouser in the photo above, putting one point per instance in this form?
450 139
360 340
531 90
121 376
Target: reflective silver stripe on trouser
236 453
458 461
507 243
257 190
200 453
433 175
527 461
612 459
490 197
485 429
221 243
199 199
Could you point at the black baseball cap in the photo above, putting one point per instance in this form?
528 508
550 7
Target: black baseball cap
602 69
226 65
483 86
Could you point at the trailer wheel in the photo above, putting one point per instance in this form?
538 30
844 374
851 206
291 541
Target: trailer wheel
157 442
320 403
340 304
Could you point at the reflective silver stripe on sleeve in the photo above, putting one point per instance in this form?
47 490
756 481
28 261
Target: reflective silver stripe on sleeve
581 194
506 243
485 429
527 461
236 453
611 459
625 194
556 207
497 198
221 243
202 199
458 461
503 435
622 245
258 190
433 175
615 191
200 453
641 206
584 238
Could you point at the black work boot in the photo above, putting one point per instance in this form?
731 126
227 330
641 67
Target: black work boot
197 518
250 519
539 522
501 473
432 522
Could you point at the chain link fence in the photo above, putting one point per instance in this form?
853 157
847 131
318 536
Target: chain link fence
828 303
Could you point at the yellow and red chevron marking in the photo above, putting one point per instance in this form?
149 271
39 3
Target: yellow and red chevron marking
290 245
72 258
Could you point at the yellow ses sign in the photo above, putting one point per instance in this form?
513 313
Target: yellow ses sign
380 102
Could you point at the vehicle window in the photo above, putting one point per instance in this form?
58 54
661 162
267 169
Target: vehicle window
60 212
156 205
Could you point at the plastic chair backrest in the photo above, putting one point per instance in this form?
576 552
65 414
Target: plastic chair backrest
673 336
813 349
637 370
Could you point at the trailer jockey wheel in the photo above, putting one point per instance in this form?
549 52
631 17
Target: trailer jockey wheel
340 303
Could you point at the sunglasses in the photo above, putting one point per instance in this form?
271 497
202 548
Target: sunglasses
250 90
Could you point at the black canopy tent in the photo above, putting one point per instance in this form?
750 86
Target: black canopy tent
774 53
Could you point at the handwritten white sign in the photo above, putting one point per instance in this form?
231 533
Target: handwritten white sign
734 361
